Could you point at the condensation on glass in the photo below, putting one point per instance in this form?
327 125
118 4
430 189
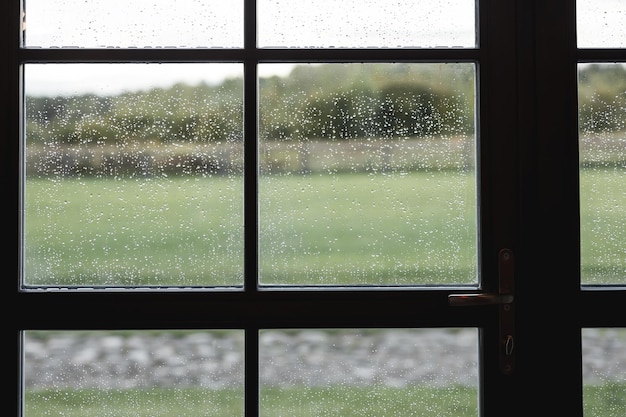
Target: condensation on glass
372 372
133 175
601 23
122 373
369 23
604 371
602 147
367 175
137 23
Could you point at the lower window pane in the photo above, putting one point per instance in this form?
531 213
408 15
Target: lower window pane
604 372
369 372
138 373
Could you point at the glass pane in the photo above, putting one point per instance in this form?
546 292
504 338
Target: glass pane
133 373
369 373
367 23
604 372
602 144
367 175
133 175
137 23
601 23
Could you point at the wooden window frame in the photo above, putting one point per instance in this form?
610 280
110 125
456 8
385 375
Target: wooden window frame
528 197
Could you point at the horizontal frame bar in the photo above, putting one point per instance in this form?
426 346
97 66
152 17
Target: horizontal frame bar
601 55
172 55
284 309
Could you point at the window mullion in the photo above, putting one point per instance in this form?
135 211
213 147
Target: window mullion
251 374
251 128
250 208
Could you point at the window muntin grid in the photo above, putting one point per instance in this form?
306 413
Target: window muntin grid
177 56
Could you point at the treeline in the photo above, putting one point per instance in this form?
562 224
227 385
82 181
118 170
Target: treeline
347 101
412 116
602 98
201 113
334 101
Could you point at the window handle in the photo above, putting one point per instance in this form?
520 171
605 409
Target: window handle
504 298
505 283
468 300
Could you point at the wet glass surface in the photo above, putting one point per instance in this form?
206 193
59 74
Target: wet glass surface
133 373
367 175
366 24
602 147
133 186
371 372
601 24
133 24
604 371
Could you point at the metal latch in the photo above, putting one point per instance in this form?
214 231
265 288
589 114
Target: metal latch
504 298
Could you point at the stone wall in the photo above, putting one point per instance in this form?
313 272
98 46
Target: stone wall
310 357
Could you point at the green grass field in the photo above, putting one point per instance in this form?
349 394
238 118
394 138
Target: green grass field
345 229
603 226
454 401
293 402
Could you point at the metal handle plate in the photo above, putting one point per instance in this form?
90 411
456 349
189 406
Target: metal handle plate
504 298
463 300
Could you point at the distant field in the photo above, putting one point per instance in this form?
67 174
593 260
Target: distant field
599 401
400 228
155 231
374 401
603 219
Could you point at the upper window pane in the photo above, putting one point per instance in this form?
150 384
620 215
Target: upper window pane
134 178
137 23
369 23
601 23
602 147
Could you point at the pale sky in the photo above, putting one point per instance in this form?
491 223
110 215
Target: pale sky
218 23
107 79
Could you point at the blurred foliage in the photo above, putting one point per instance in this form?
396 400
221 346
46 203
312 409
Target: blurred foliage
199 128
347 101
200 113
602 98
333 101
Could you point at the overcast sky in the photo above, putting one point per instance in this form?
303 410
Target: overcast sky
281 23
219 23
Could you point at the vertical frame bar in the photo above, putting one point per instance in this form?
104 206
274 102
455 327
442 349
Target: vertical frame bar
11 76
251 128
549 201
251 209
497 180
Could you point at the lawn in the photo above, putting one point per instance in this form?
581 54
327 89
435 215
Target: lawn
343 229
603 231
454 401
404 228
372 401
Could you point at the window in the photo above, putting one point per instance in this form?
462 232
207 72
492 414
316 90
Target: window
601 128
448 180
